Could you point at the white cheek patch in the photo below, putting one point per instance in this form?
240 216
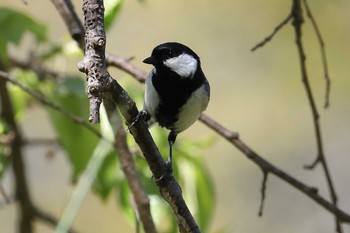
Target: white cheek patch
184 65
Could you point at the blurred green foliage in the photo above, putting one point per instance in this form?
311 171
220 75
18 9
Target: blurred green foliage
13 26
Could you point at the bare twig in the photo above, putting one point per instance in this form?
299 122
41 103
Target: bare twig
269 37
38 68
71 19
297 24
38 96
76 29
141 200
139 194
125 65
323 53
268 167
263 192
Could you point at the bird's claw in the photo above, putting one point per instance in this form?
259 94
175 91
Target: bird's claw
168 172
141 115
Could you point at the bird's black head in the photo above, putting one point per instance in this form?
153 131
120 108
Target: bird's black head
174 56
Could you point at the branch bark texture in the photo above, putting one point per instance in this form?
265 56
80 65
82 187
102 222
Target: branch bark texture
102 85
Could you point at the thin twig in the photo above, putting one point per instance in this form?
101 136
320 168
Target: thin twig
38 96
323 53
139 194
127 164
38 68
270 168
263 192
76 29
297 24
125 65
269 37
71 19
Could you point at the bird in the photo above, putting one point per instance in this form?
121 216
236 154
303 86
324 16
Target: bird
176 91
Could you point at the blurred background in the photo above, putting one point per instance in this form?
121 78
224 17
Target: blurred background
260 95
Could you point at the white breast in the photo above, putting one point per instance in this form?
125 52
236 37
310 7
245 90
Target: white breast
190 112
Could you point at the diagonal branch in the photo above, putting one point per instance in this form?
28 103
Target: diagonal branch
270 168
66 9
128 167
102 85
38 96
76 30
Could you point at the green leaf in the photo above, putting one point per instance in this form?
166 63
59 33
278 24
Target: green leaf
205 196
124 196
78 142
112 8
197 182
106 177
14 24
20 99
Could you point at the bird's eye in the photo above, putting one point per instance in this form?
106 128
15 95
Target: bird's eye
170 53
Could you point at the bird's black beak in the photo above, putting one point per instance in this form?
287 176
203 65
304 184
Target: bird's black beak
150 60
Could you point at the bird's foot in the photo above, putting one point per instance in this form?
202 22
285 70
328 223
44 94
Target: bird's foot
167 173
141 115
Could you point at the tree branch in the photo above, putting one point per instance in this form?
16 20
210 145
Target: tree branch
101 84
297 24
66 10
21 186
38 96
128 167
270 168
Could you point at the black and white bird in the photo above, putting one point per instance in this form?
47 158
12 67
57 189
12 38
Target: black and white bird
177 90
